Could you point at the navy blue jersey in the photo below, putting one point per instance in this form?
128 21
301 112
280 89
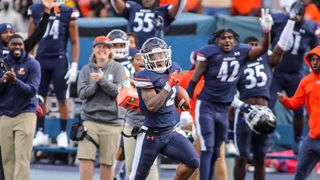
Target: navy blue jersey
303 39
255 78
165 116
140 20
222 72
126 62
54 41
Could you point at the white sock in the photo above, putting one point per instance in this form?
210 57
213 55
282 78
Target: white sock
118 167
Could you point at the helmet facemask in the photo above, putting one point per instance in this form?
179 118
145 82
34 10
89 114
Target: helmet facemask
121 44
261 120
120 48
158 60
157 55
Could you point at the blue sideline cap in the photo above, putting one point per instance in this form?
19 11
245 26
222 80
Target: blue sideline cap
6 26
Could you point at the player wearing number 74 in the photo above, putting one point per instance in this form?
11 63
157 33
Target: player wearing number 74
52 55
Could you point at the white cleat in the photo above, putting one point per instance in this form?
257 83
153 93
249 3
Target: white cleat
41 139
62 140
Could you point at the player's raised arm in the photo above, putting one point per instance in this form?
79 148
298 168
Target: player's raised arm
266 22
118 6
176 9
36 33
282 45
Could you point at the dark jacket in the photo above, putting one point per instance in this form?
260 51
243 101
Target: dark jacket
19 97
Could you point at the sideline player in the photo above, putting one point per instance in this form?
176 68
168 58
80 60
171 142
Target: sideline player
52 55
290 71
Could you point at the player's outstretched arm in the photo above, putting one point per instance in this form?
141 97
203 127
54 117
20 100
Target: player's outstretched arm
244 107
177 8
200 68
266 22
118 5
282 45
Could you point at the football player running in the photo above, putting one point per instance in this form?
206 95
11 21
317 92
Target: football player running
157 87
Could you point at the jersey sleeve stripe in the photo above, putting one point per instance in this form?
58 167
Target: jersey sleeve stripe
201 57
143 84
75 14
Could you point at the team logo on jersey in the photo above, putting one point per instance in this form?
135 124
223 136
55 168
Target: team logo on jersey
237 53
21 71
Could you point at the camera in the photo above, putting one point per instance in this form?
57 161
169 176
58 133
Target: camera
78 131
4 64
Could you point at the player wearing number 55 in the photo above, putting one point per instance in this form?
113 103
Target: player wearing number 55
52 55
147 17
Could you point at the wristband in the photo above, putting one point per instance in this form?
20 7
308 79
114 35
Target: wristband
167 87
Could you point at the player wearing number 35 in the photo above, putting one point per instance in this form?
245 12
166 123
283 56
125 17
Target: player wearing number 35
220 65
53 60
147 16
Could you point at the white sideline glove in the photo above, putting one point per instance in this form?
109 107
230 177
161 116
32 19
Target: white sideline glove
266 20
71 75
185 118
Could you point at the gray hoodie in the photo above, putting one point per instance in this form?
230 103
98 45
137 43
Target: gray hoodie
99 99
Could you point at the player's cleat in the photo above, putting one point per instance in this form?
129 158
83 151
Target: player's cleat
62 140
41 139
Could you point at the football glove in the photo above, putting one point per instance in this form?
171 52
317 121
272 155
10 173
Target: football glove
71 75
266 20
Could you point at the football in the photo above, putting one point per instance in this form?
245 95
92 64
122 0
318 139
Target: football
182 99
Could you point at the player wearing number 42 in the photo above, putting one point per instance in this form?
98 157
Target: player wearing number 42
220 65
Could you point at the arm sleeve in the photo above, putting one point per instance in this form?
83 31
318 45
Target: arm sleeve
111 88
298 98
84 87
37 35
30 87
